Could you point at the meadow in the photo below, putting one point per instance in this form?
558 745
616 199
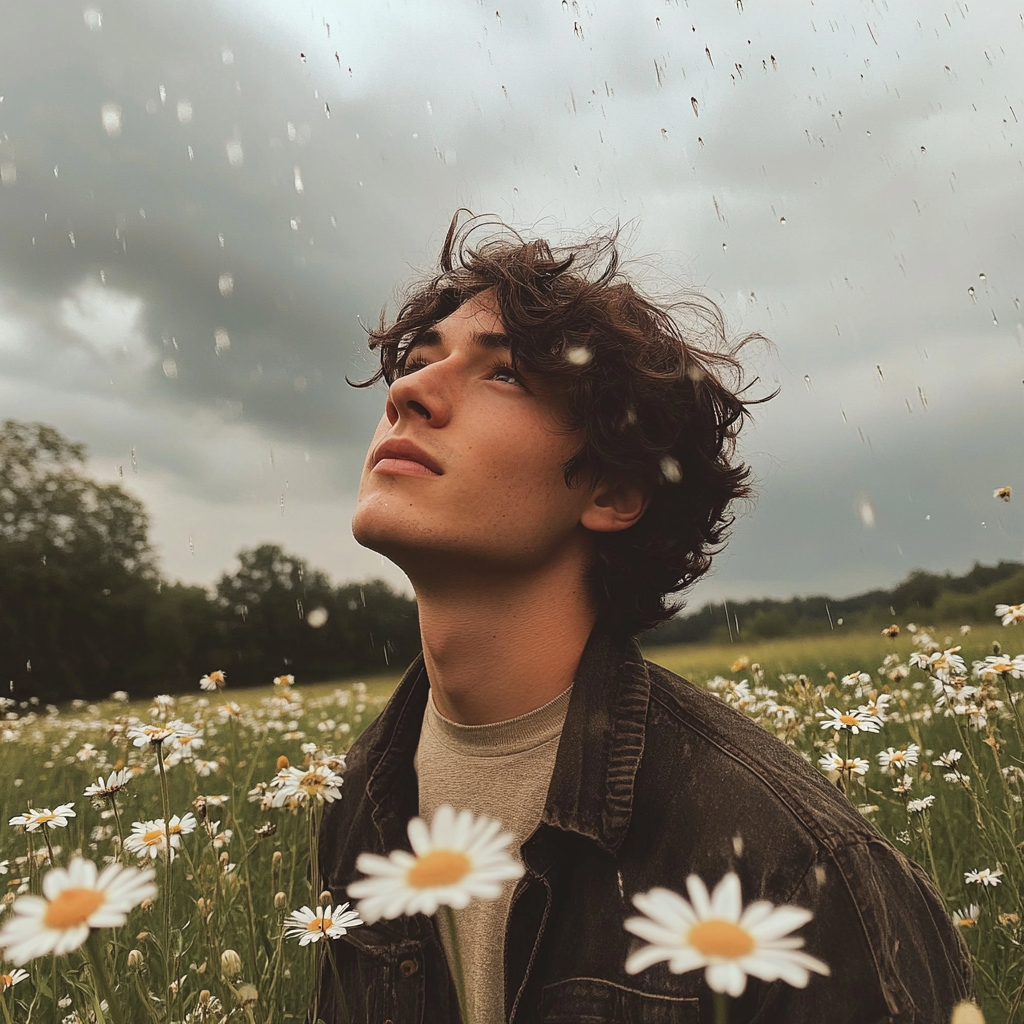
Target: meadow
219 792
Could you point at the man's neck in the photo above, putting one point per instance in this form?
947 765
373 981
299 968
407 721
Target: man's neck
498 649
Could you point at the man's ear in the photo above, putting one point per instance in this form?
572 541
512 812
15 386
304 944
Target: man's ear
615 505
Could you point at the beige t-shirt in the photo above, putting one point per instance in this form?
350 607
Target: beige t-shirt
503 771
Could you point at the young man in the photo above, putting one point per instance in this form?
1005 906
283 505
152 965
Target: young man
555 460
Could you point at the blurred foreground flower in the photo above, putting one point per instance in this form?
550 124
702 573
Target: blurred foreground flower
309 925
718 933
454 859
75 899
1010 613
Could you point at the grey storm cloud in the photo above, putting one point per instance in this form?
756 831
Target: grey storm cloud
199 204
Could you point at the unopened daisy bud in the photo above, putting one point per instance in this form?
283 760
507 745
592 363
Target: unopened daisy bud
204 997
201 905
224 859
280 901
143 937
966 1013
200 805
247 995
135 960
326 899
276 861
282 763
146 905
230 964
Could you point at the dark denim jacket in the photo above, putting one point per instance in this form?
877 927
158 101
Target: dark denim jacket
654 780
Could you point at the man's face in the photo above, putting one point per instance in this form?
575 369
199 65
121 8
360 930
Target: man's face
497 497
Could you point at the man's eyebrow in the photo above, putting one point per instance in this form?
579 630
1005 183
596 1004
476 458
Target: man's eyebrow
431 338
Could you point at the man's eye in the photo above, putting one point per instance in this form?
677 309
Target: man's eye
410 365
506 371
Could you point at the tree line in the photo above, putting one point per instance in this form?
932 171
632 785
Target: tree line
939 598
85 611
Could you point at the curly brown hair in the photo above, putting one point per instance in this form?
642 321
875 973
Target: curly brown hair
648 385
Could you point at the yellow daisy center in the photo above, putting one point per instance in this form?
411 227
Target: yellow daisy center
153 836
440 867
6 981
719 938
72 907
311 782
319 924
848 719
40 818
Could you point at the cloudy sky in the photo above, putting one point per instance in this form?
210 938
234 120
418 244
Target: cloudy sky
199 202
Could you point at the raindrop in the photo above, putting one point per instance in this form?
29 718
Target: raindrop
775 66
725 247
923 150
93 18
226 284
170 369
290 129
110 115
192 551
298 180
8 173
866 511
135 464
71 238
807 381
782 220
163 94
995 320
221 341
923 397
56 171
693 102
981 277
970 291
316 617
927 519
298 608
294 224
708 52
579 355
671 471
220 238
881 376
300 384
103 277
327 110
334 221
227 56
233 148
185 111
302 57
281 502
191 155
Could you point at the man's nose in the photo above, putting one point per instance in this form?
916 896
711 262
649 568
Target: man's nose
421 395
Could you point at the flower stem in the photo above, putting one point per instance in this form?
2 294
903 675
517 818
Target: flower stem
460 977
104 990
721 1008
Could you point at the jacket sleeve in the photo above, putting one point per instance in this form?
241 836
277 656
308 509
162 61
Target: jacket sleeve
895 956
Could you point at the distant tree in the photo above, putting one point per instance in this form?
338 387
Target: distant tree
77 574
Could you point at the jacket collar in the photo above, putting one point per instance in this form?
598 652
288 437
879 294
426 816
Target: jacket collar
591 791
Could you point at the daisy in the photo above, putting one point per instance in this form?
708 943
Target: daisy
986 876
319 783
149 734
855 721
894 759
34 819
832 762
1010 613
75 899
214 681
454 858
114 784
922 805
856 677
716 932
149 839
284 681
949 759
10 980
181 826
308 926
967 918
205 768
876 708
999 664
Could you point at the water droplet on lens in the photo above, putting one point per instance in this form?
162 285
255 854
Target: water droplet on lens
693 103
233 148
782 220
671 471
226 284
111 116
579 356
93 18
970 291
185 111
170 369
298 180
221 340
8 173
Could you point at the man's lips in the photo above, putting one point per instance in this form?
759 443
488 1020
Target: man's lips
402 455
